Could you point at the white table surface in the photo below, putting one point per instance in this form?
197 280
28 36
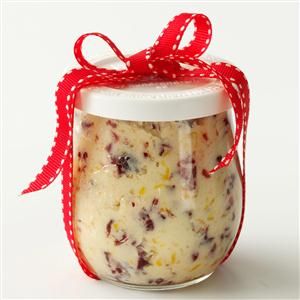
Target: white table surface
37 261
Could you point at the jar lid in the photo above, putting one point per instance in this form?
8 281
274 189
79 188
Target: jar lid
154 101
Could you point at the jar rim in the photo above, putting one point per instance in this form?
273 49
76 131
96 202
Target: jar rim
154 101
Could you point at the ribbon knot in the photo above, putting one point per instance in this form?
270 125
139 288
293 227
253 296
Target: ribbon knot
140 63
165 56
164 59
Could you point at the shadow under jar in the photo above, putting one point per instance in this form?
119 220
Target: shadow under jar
147 214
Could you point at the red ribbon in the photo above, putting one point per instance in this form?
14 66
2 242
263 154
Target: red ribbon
163 60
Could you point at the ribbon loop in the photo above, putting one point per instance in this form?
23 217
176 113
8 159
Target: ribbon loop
201 39
166 47
167 44
83 61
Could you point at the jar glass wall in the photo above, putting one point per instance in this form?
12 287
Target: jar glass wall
147 213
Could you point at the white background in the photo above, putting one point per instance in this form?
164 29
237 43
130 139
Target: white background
260 38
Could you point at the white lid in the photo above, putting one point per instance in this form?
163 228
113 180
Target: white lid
163 101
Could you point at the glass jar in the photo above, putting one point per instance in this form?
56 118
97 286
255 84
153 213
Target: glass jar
147 213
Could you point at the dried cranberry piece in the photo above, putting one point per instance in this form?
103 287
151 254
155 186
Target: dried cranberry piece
121 241
162 216
87 124
205 173
189 213
188 171
195 255
115 137
231 181
82 157
124 163
142 259
114 266
207 239
155 126
155 201
142 263
148 223
226 233
229 185
213 248
204 135
219 158
230 203
159 281
108 227
85 155
108 147
164 148
111 123
233 216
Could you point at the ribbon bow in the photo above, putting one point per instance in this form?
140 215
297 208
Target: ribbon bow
164 60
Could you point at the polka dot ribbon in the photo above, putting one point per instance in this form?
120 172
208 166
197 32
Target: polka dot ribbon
164 60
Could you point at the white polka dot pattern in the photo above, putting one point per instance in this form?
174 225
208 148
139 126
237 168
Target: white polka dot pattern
164 59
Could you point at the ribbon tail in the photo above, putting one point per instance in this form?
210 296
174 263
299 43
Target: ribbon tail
65 96
240 82
54 163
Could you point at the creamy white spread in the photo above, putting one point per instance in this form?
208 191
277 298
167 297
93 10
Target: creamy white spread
146 209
